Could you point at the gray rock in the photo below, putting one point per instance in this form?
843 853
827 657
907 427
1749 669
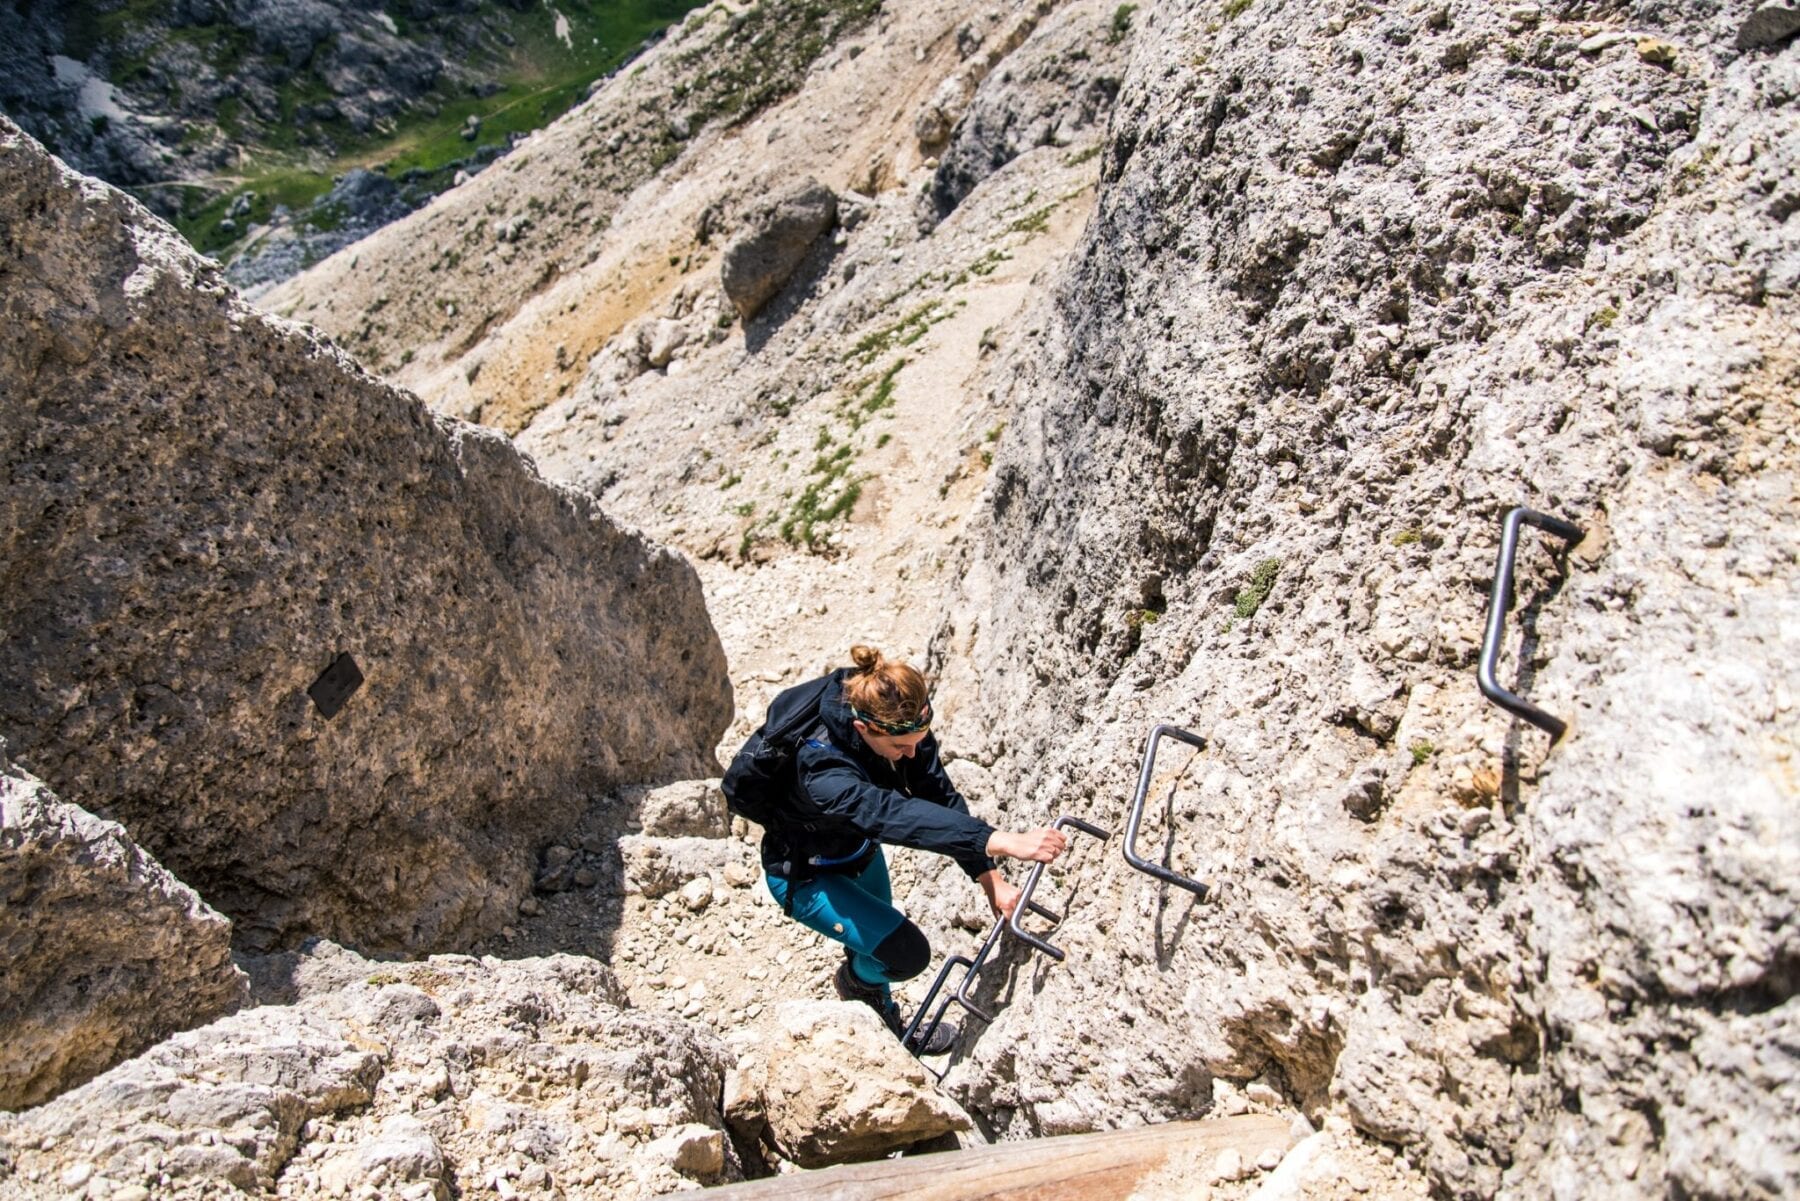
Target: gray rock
225 1102
1340 306
106 953
837 1087
686 809
775 239
656 866
528 1065
403 1150
1773 22
226 506
661 340
1040 79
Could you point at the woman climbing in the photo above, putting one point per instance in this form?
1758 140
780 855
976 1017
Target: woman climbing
867 772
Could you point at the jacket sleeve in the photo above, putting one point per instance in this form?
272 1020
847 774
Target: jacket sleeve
934 783
838 792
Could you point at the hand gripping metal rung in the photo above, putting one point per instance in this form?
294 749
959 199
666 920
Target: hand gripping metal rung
1137 811
1500 601
1031 882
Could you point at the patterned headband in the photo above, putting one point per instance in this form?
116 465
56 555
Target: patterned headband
921 722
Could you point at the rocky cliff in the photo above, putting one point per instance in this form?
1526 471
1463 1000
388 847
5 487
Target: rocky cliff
1358 282
210 510
1176 363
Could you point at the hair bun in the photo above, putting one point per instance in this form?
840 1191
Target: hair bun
866 658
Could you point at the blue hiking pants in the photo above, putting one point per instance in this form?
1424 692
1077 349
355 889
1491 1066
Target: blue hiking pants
858 911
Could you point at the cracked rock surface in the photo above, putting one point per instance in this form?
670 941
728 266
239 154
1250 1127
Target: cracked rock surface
1359 282
106 953
208 506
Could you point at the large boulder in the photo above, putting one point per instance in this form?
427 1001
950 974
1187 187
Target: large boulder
429 1079
207 508
837 1087
226 1102
777 236
106 952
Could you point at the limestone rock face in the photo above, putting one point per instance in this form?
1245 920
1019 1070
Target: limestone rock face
433 1078
776 237
1357 285
106 953
207 507
1059 80
837 1087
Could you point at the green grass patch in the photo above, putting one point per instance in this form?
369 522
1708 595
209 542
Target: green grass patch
1409 537
1422 751
904 332
827 498
540 77
1251 596
1034 222
1121 23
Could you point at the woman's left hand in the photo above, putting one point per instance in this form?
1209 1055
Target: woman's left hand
1004 897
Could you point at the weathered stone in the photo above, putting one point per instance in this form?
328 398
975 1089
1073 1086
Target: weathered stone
661 340
837 1086
697 894
225 1102
655 866
688 809
406 1079
1773 21
209 506
106 953
775 239
1059 79
1596 973
693 1150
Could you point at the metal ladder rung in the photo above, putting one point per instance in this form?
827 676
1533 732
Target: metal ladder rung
1136 819
1500 602
1031 883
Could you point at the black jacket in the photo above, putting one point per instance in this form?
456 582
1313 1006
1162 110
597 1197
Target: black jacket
844 795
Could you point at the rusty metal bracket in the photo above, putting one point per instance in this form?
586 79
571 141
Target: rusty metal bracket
1135 821
1500 601
1031 882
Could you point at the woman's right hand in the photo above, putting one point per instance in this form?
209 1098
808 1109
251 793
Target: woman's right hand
1040 844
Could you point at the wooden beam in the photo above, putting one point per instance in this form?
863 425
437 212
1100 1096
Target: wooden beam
1169 1160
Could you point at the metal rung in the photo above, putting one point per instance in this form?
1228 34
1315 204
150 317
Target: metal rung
1137 811
1500 602
1031 882
937 984
961 995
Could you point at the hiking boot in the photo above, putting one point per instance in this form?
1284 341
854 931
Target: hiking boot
851 988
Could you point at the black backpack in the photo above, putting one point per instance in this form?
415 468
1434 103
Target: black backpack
761 775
